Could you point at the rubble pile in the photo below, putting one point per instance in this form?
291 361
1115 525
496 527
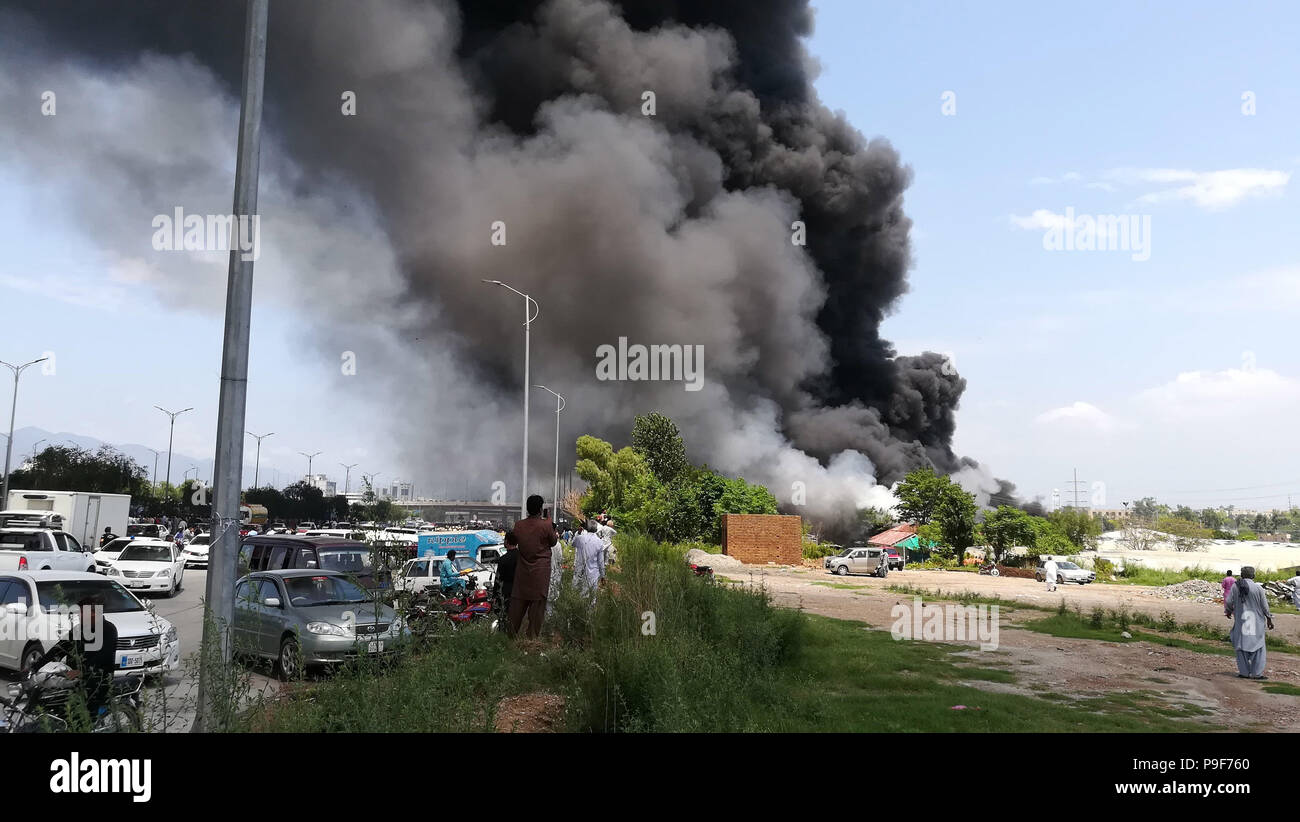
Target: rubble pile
1193 590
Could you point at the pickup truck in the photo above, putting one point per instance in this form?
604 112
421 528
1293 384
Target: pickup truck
26 548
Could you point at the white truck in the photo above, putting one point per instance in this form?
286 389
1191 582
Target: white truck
85 514
36 541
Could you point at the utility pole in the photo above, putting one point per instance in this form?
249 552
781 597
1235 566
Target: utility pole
257 462
1075 483
156 455
347 475
13 410
171 433
229 467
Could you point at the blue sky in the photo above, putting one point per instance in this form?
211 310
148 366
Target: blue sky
1175 376
1044 91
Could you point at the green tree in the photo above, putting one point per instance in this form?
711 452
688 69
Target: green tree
608 473
1050 540
1212 518
1007 528
956 517
919 495
1188 535
1078 526
656 438
72 468
1146 508
872 521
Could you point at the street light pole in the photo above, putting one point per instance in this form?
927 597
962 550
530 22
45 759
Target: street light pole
156 454
13 409
555 499
170 434
258 461
347 476
35 446
309 457
529 316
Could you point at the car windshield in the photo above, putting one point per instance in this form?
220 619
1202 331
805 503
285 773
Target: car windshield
69 593
1067 566
201 539
307 592
347 560
846 552
145 553
466 564
117 544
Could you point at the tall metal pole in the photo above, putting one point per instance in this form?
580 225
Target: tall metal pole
257 463
13 409
555 488
529 316
347 476
309 457
156 454
229 465
170 434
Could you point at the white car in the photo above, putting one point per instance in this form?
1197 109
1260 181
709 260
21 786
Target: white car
195 551
149 565
28 600
104 556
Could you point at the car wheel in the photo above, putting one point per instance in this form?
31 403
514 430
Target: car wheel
289 665
841 570
118 718
1060 580
30 654
884 571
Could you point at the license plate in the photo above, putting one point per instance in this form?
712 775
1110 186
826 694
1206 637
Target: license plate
375 646
130 660
137 584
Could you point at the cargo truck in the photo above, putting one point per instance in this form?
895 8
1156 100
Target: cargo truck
85 514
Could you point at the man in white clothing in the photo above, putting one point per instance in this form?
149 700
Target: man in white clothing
1049 573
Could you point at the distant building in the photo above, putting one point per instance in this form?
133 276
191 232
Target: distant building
1115 514
327 486
397 492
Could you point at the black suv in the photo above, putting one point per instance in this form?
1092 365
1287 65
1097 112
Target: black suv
274 552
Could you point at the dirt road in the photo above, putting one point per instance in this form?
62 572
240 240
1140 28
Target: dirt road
1074 668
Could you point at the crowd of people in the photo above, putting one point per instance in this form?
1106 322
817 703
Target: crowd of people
528 574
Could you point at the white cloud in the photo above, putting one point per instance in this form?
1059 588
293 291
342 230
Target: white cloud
1079 414
1041 220
1211 190
1234 397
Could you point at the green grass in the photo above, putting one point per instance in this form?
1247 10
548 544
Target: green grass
1282 688
840 585
1156 577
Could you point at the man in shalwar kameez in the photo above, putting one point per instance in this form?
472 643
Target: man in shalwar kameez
1247 606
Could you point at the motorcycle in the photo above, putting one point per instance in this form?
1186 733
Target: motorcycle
702 570
989 569
40 701
456 609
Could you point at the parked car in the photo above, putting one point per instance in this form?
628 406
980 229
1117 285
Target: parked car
29 547
195 552
302 617
146 643
151 530
278 552
1067 572
859 560
149 565
896 562
422 574
104 556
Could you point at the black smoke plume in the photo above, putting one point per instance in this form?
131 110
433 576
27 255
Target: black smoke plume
667 229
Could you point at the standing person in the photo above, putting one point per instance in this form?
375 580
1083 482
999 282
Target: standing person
1049 573
533 571
108 537
504 578
1247 606
1227 585
557 572
588 560
605 531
